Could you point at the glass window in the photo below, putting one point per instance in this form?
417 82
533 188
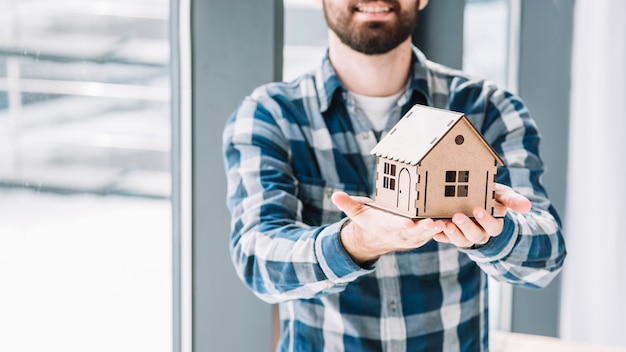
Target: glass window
85 234
305 37
485 39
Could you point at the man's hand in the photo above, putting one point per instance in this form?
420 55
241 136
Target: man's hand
465 233
372 232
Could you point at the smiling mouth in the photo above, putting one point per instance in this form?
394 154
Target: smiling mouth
372 8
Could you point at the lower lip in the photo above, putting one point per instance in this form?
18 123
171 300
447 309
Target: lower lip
373 16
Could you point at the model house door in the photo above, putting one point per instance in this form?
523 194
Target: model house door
404 189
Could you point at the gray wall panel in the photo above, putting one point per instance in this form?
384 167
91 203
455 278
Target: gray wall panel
236 45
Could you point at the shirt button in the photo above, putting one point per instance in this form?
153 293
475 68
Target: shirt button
344 95
365 135
329 192
393 306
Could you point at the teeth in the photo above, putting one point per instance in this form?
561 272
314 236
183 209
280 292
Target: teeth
374 9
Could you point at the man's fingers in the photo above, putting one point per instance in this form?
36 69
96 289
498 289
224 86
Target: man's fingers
457 235
441 237
489 224
472 232
511 199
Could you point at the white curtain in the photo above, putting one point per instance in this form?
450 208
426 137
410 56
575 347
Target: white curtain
594 276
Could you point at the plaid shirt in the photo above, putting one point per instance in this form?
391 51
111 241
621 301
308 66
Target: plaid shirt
289 146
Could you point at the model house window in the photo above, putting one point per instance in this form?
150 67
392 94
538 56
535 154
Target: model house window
389 178
456 183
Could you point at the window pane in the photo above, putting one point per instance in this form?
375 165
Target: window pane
85 253
450 191
462 191
450 176
463 176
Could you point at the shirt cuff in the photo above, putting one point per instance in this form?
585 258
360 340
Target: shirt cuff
335 262
497 247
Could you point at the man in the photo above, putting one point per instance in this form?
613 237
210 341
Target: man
348 277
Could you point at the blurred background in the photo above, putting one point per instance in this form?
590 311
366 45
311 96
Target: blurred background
85 215
113 228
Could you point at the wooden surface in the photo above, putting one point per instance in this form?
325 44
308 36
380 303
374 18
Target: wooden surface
514 342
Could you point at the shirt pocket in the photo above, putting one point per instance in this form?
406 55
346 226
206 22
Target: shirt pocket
317 206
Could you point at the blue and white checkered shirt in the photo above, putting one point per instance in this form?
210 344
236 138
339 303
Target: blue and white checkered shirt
289 146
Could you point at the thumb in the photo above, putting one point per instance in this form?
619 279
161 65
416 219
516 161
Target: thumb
354 206
507 196
346 204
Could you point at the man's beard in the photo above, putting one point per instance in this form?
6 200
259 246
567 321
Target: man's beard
374 38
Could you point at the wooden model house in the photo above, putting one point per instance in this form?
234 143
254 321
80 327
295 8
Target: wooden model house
433 164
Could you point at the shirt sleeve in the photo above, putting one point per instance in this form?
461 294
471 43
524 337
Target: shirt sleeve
275 254
530 250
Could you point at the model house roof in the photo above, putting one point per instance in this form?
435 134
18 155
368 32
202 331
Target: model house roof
419 131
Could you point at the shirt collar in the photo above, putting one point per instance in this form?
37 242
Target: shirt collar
327 82
420 76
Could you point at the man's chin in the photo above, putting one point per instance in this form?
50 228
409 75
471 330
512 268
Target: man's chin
373 49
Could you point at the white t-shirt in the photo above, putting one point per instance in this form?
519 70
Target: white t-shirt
376 109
